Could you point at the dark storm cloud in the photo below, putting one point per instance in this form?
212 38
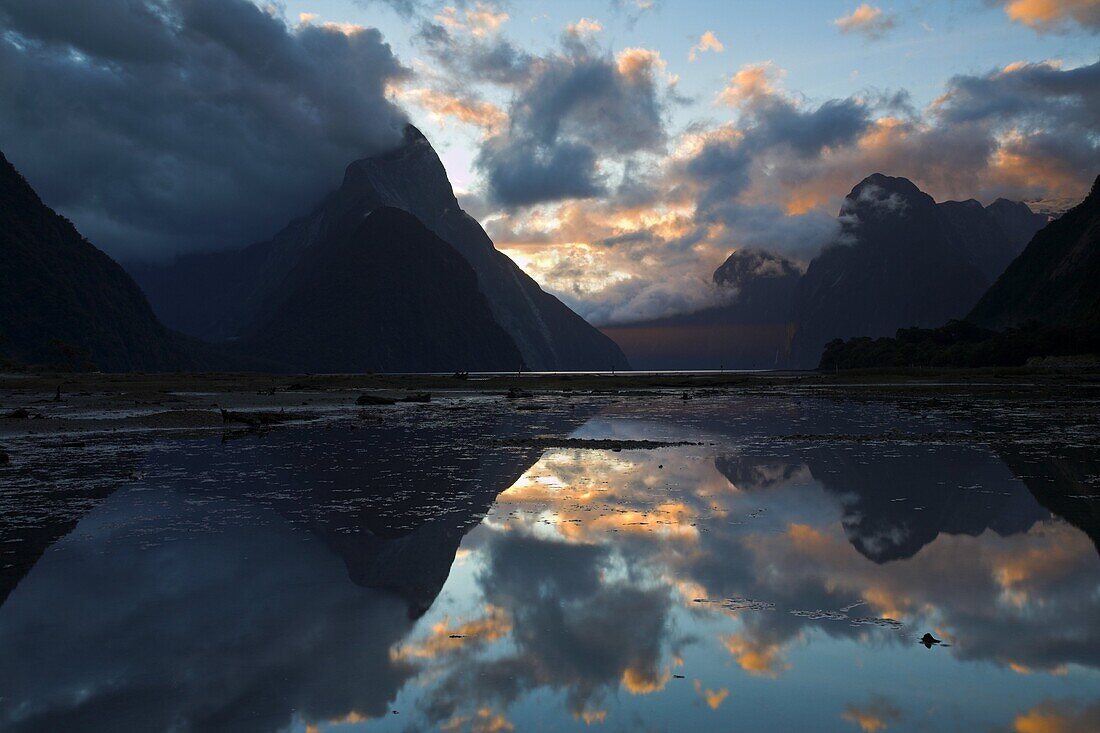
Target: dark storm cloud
836 122
491 59
167 125
1030 91
573 108
523 172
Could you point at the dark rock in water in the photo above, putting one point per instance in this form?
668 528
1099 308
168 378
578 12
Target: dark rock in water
20 413
223 295
5 459
254 419
515 393
417 397
370 399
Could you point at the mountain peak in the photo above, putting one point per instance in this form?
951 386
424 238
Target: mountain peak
748 263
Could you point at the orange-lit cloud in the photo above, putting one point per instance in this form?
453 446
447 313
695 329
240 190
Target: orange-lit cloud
445 638
478 113
479 21
758 658
1058 717
867 20
1048 15
638 680
584 27
485 720
876 715
713 698
707 42
750 82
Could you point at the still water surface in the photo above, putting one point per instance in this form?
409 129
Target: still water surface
421 571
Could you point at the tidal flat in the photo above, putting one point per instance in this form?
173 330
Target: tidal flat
658 552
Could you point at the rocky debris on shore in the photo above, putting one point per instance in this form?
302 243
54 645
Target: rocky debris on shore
255 419
370 400
612 444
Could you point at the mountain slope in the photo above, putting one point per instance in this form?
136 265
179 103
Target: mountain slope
898 263
382 295
221 295
1056 281
66 303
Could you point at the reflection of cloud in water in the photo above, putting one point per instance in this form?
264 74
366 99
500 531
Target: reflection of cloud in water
576 628
876 714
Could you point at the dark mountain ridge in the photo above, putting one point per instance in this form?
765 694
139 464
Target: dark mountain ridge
1046 304
902 261
65 303
224 295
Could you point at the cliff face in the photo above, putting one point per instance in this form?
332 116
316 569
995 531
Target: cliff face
64 302
382 294
1056 280
900 262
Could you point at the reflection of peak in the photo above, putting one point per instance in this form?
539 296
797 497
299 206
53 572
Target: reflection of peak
893 508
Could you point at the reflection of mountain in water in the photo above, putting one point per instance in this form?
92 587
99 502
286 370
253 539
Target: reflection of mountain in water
1060 483
897 502
240 537
39 511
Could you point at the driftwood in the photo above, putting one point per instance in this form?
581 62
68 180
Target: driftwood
253 419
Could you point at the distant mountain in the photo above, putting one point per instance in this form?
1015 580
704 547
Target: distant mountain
226 295
381 294
752 330
991 236
1056 281
65 303
900 261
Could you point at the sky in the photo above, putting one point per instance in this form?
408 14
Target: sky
618 150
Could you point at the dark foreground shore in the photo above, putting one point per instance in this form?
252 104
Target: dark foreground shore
51 403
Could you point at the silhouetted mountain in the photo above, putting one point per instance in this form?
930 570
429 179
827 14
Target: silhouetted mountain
224 295
991 236
1056 281
752 330
65 303
900 261
381 294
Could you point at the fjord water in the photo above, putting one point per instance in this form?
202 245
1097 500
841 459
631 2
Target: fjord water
428 569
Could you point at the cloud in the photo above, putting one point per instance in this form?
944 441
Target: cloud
479 21
584 27
707 42
1046 16
867 20
187 124
877 714
470 111
404 8
577 106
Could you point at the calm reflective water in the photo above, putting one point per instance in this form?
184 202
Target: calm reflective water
418 572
